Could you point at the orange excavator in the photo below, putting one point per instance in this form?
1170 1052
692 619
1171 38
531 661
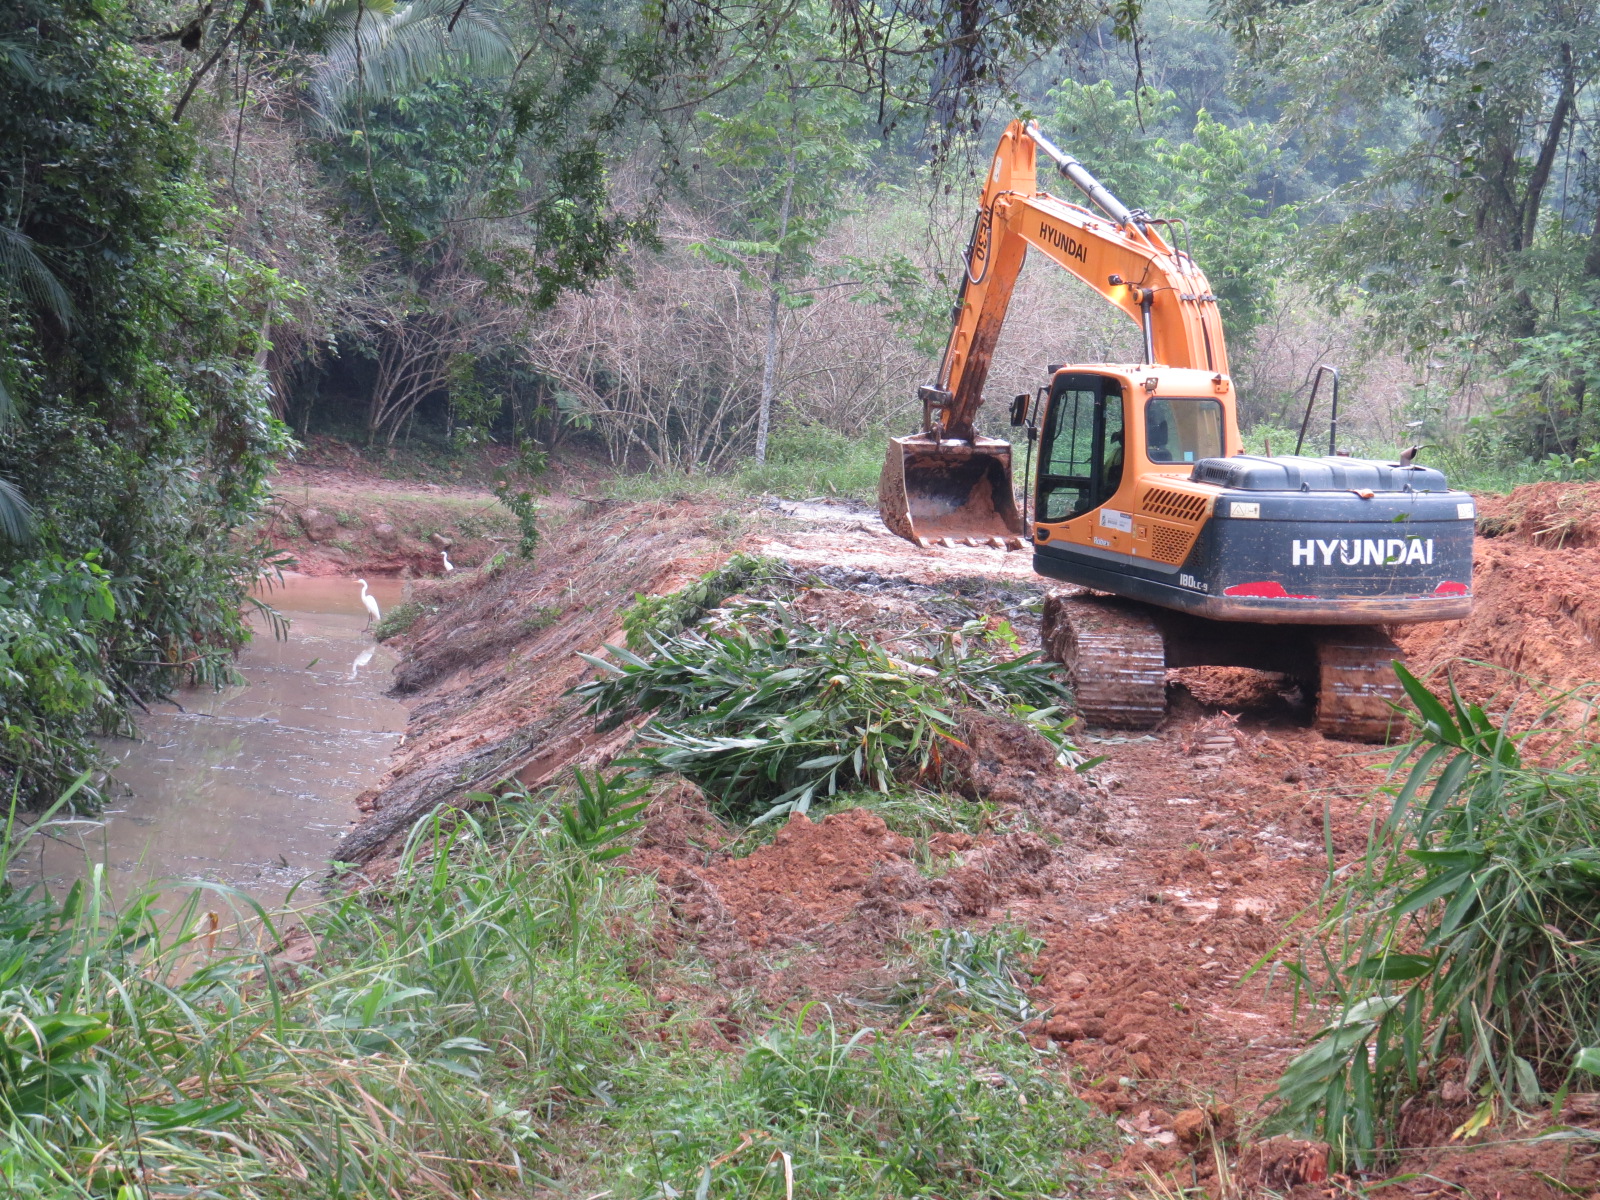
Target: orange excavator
1192 552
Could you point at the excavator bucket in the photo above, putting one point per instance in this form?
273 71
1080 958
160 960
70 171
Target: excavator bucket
950 492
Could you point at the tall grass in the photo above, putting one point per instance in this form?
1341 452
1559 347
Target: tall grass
481 1025
812 461
1464 947
866 1114
138 1061
802 462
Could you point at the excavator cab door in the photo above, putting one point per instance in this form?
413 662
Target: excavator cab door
1082 451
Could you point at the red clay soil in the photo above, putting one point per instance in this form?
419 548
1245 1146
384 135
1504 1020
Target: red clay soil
1154 899
1537 602
1155 887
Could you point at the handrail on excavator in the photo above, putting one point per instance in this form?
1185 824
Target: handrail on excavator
1333 416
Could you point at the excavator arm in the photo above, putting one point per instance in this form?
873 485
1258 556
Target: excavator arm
949 483
1117 251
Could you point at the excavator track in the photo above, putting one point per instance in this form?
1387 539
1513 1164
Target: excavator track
1115 658
1356 684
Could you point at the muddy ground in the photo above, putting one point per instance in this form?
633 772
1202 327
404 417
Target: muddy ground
1156 883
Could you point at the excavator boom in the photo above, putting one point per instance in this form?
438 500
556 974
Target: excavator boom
947 482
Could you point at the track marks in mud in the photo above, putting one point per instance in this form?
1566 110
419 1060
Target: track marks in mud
487 667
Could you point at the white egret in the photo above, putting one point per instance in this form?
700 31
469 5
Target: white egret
362 660
448 565
371 602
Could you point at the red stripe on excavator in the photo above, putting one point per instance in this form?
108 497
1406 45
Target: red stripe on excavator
1264 587
1451 588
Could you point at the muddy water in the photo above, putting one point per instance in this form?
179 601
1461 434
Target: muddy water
254 785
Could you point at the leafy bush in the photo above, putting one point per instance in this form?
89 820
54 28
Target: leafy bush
52 684
519 501
142 427
1470 929
768 718
401 618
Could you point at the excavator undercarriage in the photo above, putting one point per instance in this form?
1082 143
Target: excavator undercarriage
1117 654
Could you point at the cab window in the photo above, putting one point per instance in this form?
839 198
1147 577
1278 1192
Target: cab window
1080 460
1182 431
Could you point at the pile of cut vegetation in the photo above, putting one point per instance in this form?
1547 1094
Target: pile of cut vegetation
769 713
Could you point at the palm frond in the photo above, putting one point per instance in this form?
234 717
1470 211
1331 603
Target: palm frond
380 53
22 270
17 61
16 514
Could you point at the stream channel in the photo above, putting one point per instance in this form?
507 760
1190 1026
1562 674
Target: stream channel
253 785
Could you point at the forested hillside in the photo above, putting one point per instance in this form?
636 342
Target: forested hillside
678 237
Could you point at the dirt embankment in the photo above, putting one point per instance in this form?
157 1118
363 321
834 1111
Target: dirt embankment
490 655
1537 611
1155 889
335 524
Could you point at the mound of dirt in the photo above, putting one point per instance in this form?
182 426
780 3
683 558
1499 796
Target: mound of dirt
1237 689
1005 761
1552 515
834 893
1536 610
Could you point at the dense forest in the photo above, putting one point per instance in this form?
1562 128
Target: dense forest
680 236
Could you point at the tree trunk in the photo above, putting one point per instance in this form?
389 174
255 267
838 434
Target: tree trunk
1591 276
769 365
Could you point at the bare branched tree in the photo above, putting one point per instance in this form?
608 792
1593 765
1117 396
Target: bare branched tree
667 365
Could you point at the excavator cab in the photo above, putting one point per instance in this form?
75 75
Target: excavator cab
1083 447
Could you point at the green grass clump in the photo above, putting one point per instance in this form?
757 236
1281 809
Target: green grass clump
1469 930
767 717
918 813
401 618
867 1114
812 461
802 463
